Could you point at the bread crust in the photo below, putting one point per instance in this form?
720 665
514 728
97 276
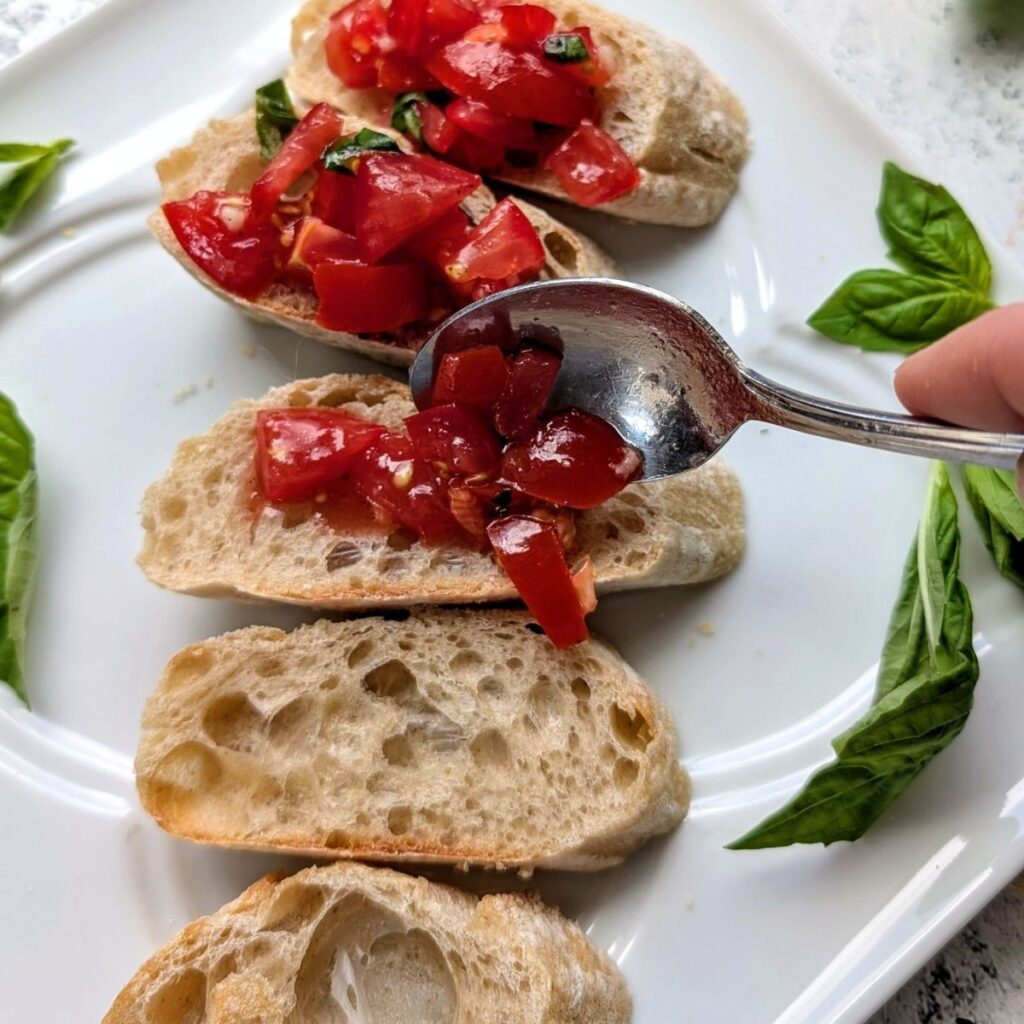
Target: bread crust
402 947
225 156
678 122
200 538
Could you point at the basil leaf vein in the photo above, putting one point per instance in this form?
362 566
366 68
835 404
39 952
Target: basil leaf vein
275 116
18 542
32 165
992 494
889 311
345 153
925 690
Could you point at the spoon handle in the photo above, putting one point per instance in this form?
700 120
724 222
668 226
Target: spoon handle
892 432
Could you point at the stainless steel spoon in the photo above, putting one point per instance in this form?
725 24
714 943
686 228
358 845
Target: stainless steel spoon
656 370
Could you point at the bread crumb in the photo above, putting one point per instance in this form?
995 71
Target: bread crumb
70 232
181 394
690 903
706 628
248 350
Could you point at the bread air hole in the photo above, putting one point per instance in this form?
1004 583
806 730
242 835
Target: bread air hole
233 722
173 508
293 723
625 772
398 751
392 681
631 730
399 820
293 908
489 749
188 768
360 653
563 252
182 1000
580 688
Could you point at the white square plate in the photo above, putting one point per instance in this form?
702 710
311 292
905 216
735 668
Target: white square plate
114 355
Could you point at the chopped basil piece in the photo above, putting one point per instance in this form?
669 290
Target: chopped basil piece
566 48
345 153
30 166
404 115
275 116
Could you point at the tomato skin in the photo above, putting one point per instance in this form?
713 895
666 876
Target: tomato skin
475 154
398 195
531 554
592 167
407 21
316 242
397 72
224 239
481 121
437 242
502 246
447 20
403 487
531 378
353 40
333 198
300 452
573 459
515 84
299 152
526 24
475 377
438 132
460 438
362 299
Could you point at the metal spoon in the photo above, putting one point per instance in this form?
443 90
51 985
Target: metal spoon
656 370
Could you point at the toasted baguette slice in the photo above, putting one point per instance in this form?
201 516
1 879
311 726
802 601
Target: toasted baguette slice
201 538
348 943
451 737
677 121
226 156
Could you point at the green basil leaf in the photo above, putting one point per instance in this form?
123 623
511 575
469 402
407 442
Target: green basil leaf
886 311
926 681
929 233
275 116
566 48
32 166
404 115
992 494
345 153
17 542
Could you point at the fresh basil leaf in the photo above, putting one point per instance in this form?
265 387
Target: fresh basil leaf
17 542
566 48
404 115
886 311
275 116
33 164
992 494
929 233
925 690
345 153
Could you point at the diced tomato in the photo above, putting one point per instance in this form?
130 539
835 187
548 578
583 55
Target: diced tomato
368 300
526 24
481 121
531 378
353 42
316 242
300 452
407 21
403 487
447 20
592 71
437 242
398 72
438 132
503 245
531 553
573 459
456 436
398 195
300 151
474 377
223 238
592 167
516 84
333 197
474 153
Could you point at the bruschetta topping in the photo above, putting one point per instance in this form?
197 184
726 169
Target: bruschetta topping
456 476
484 83
377 234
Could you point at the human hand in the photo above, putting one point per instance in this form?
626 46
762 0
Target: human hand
973 377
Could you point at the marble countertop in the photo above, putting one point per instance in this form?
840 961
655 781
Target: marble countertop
946 78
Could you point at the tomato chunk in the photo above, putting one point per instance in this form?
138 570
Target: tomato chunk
531 553
479 120
474 153
531 378
353 40
438 132
223 238
516 84
397 72
447 20
300 151
316 242
456 436
573 459
407 21
592 167
436 244
475 377
403 487
525 24
398 195
361 299
333 197
300 452
503 245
